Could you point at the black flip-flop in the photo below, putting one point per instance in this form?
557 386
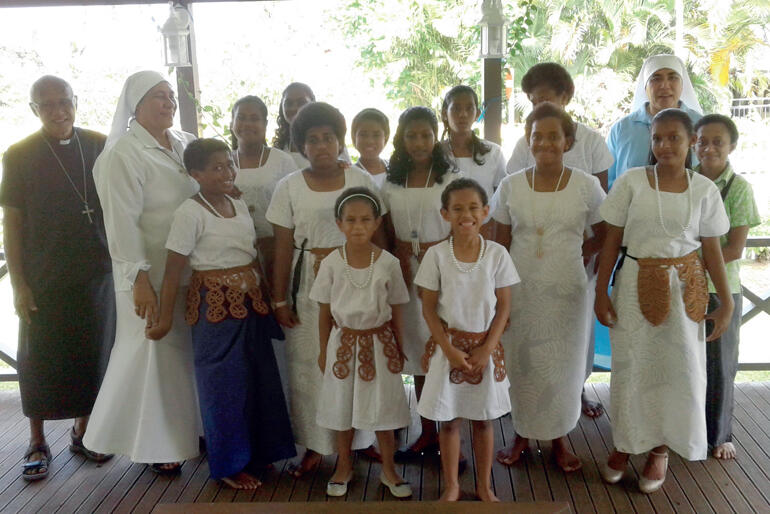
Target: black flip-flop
166 471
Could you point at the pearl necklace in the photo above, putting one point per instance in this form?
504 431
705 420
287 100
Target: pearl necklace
476 264
208 204
540 229
414 235
682 228
349 273
259 163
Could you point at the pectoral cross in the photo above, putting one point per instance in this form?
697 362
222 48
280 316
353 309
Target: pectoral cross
87 211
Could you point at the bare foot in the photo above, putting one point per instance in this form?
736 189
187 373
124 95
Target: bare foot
655 467
510 456
450 494
242 480
565 459
485 494
724 451
591 408
309 462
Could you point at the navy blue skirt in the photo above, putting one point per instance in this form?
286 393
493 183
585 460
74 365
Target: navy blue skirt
245 420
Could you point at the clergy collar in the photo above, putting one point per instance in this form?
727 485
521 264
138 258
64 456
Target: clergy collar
61 142
147 139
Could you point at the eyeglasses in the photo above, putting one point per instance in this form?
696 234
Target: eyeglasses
51 107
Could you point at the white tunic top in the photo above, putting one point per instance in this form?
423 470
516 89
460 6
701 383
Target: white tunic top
379 178
489 174
258 184
140 185
633 205
589 153
212 242
658 390
466 302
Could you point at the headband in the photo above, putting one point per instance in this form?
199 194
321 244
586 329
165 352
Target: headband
360 195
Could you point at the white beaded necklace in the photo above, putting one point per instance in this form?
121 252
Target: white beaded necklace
349 273
414 235
458 265
682 228
213 210
259 163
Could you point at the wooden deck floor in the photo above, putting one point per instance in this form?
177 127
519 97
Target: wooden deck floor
76 485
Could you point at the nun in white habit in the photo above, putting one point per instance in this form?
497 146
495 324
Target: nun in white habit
663 82
147 407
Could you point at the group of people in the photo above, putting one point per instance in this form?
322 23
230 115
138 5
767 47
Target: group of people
267 296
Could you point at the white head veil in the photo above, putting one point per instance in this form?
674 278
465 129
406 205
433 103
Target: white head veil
655 63
136 86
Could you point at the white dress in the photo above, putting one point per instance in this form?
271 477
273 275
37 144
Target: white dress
258 184
466 302
301 161
658 388
546 344
423 206
379 178
379 404
310 214
591 154
147 407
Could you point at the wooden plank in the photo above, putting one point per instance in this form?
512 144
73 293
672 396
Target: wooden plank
168 490
720 491
372 508
110 501
682 490
587 490
80 485
468 478
109 481
325 471
196 482
270 480
727 472
139 488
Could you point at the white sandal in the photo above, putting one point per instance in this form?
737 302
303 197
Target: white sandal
647 485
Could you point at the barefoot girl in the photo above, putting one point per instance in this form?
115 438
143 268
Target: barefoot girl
477 158
418 172
717 138
242 406
551 82
542 213
466 299
662 215
360 290
258 168
303 219
370 131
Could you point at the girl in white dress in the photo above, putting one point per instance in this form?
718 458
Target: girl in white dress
662 215
466 292
418 172
258 168
302 215
477 158
360 290
294 97
370 131
551 82
242 406
542 213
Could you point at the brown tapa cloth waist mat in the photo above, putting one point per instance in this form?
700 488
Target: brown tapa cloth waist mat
226 293
466 341
654 292
403 251
365 341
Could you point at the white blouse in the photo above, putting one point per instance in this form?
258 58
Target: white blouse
258 184
357 308
466 301
489 174
212 242
140 185
633 204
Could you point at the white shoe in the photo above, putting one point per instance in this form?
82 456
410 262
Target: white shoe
610 474
647 485
399 490
338 488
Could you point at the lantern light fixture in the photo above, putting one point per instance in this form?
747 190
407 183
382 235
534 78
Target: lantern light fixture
494 36
176 36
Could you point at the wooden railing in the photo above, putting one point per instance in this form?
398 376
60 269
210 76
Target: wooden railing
760 303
